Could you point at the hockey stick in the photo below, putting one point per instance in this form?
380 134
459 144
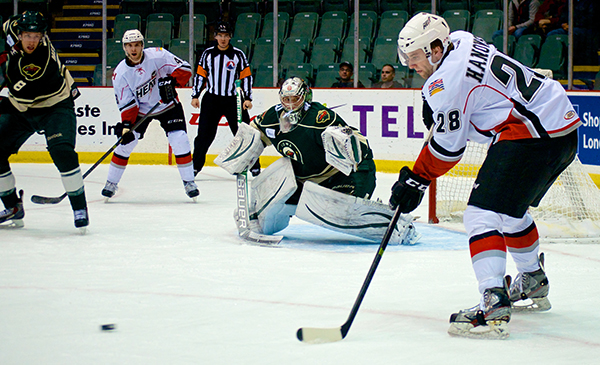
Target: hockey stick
55 200
243 218
324 335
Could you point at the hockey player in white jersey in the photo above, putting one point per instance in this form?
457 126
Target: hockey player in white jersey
144 78
474 92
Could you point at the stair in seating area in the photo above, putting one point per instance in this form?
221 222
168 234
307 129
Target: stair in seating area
77 36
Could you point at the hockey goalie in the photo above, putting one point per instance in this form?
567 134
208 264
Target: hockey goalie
326 176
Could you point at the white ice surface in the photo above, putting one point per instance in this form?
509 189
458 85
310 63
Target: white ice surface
182 288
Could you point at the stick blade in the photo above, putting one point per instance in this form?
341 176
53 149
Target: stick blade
319 335
46 200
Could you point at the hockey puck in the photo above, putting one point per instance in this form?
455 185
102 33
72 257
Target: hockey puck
108 327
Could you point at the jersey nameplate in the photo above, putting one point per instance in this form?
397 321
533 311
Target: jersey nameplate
478 59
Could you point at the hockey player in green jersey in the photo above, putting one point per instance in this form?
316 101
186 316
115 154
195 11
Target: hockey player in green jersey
326 175
40 99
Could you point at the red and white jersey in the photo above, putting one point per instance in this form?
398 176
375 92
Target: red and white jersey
480 94
136 86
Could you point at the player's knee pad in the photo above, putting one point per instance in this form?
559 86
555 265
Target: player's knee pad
125 150
269 192
478 221
179 142
64 156
352 215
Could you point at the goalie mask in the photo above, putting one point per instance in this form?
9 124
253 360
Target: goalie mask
419 32
295 96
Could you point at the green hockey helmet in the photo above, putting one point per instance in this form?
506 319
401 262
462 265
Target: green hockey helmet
32 21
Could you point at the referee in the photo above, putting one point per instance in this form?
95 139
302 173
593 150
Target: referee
218 68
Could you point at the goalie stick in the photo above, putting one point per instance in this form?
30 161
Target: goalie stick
37 199
243 214
324 335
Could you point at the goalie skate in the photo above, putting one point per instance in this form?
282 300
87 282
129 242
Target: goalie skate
13 217
487 323
529 292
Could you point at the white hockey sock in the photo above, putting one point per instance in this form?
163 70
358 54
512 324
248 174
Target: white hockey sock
180 144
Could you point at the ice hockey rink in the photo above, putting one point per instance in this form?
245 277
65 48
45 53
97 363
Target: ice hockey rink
183 288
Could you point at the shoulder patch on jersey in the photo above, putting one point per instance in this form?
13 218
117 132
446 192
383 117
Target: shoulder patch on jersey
436 86
323 117
31 70
570 114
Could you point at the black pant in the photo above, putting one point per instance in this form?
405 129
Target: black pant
517 174
214 107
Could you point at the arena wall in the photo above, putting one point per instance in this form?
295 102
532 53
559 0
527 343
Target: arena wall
391 119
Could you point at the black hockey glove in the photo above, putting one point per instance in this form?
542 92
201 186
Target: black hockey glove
166 87
408 191
124 129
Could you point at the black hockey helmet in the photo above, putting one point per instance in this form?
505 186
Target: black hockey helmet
32 21
223 27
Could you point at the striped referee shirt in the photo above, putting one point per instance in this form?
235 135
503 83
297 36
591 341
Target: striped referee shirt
219 70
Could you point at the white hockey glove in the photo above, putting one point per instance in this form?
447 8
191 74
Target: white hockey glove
342 148
243 151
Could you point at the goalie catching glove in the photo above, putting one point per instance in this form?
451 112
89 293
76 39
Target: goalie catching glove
342 148
166 88
408 191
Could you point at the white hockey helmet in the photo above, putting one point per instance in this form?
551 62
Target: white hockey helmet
132 35
419 32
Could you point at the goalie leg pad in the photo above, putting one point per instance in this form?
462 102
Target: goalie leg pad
243 151
269 192
352 215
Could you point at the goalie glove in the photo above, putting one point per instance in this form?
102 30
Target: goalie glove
408 191
166 88
342 148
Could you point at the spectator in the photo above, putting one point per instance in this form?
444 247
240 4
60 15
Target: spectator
549 16
346 76
585 31
388 73
521 17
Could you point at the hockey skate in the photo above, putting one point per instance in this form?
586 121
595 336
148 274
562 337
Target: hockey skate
14 215
191 189
110 189
81 219
487 320
529 292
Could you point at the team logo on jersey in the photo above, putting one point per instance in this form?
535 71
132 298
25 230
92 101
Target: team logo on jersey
436 86
289 149
230 65
31 70
570 115
323 116
146 87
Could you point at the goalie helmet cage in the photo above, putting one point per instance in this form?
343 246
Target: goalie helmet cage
569 212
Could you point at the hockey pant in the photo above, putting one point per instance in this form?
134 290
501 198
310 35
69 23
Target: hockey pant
58 124
179 143
491 234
